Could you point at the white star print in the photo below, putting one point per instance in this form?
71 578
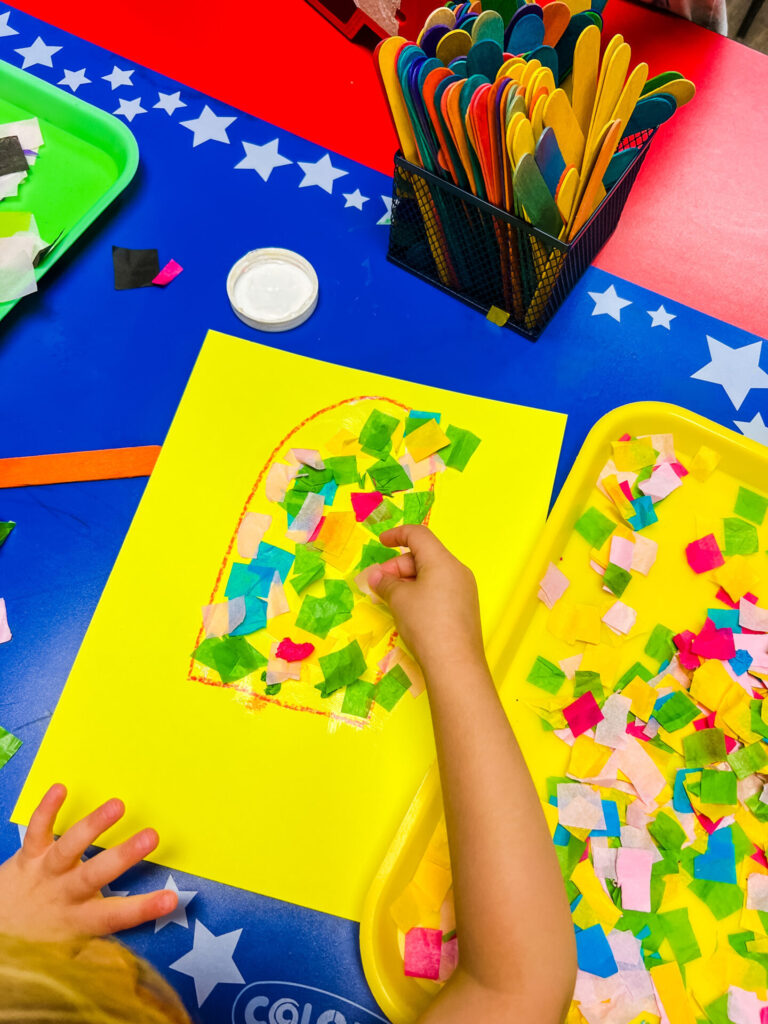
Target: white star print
660 317
74 79
118 77
210 961
5 28
208 126
355 199
322 173
37 53
179 915
386 217
130 108
106 892
756 428
169 101
736 369
262 159
608 302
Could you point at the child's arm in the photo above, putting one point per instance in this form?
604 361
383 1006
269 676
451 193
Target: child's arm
517 957
47 892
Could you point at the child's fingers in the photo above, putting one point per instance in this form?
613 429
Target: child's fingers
39 834
116 913
403 567
68 850
106 866
423 544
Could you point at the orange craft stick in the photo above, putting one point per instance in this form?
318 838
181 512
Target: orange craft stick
68 467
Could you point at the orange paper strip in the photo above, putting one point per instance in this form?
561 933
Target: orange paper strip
68 467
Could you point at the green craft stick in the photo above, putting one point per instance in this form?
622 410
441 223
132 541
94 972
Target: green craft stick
594 527
358 697
546 675
375 553
583 681
384 517
376 435
666 831
308 567
616 579
5 531
416 505
340 668
740 537
707 746
388 476
749 759
676 712
231 656
722 898
344 469
463 446
391 687
750 505
660 644
680 935
9 744
718 787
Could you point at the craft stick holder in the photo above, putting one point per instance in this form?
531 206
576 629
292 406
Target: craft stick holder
488 257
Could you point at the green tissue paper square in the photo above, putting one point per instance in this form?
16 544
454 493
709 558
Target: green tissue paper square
722 898
376 435
319 615
750 505
384 517
749 759
740 537
594 527
5 531
718 787
616 579
308 567
463 446
680 935
374 553
707 746
660 644
358 697
416 505
676 712
231 656
638 669
583 681
391 687
9 744
310 479
666 831
388 476
340 668
546 675
344 469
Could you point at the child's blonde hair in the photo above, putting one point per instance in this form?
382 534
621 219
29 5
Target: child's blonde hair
98 981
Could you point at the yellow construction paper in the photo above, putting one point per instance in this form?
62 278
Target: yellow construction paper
299 806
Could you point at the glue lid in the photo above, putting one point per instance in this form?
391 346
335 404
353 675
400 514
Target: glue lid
272 289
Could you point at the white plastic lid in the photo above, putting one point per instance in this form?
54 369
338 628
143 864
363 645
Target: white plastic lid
273 289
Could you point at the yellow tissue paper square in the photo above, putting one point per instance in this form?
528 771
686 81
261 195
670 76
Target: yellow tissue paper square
426 440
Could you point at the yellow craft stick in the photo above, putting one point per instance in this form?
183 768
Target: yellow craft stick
522 140
566 193
613 44
630 94
505 71
607 143
606 100
456 43
537 117
440 16
530 68
680 89
586 59
559 116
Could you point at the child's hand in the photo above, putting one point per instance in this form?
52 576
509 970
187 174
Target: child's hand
432 596
48 894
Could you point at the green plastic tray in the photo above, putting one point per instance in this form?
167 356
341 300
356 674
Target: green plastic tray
88 158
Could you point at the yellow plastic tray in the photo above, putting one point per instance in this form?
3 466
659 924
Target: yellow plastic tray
520 638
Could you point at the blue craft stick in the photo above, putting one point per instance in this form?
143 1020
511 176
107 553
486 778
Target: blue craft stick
649 113
547 56
549 159
432 37
527 34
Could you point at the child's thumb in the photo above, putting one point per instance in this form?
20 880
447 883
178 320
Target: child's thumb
382 583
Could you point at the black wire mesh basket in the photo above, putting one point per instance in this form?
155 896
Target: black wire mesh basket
490 259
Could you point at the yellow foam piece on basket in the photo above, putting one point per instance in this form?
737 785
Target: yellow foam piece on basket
497 316
588 884
670 989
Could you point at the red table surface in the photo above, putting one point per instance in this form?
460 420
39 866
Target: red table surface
695 228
